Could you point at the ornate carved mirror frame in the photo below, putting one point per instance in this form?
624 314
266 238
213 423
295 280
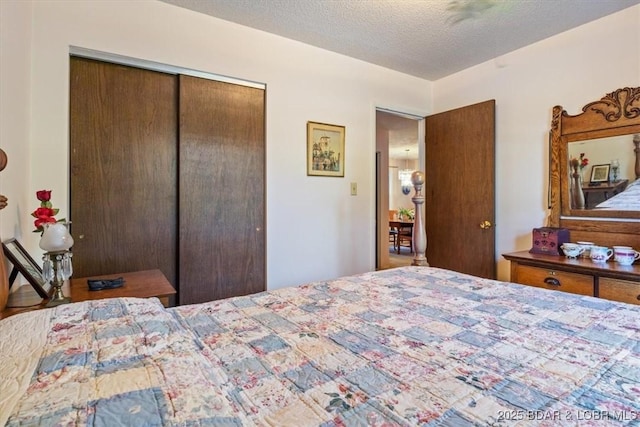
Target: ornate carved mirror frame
617 113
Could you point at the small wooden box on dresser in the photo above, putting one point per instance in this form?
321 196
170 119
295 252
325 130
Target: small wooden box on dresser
607 280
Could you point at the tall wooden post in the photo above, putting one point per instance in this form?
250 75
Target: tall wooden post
419 235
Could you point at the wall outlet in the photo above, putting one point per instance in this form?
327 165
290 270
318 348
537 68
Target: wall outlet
354 188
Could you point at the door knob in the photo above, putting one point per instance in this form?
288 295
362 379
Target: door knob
485 224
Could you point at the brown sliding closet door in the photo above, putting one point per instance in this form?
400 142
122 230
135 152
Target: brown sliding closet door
123 133
168 172
221 190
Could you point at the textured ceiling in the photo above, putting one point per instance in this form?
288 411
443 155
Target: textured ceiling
425 38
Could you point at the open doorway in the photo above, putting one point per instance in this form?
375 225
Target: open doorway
399 153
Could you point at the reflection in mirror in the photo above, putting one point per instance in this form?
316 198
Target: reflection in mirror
594 157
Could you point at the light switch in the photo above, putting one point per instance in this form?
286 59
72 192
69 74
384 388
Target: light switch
354 188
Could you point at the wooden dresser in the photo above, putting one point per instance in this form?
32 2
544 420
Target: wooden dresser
579 276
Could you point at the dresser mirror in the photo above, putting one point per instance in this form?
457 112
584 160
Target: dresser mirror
606 167
607 133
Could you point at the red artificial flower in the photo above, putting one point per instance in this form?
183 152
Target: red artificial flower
43 195
583 161
38 223
46 213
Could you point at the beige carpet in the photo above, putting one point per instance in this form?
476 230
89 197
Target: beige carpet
398 260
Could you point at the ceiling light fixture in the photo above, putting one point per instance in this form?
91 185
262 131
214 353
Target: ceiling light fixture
462 10
404 175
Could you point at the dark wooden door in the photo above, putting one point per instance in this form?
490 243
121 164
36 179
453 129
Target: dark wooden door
123 184
460 189
222 190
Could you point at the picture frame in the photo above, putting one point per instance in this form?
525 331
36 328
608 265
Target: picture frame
325 149
600 173
24 264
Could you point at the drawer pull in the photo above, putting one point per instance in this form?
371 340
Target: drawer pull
638 297
555 282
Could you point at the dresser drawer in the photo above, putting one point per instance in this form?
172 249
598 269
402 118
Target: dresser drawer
619 290
555 279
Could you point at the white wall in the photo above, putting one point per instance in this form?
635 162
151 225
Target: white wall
570 69
15 97
315 228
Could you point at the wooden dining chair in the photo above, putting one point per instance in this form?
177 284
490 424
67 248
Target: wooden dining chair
393 231
404 238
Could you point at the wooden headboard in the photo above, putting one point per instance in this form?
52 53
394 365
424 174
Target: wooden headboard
4 278
616 114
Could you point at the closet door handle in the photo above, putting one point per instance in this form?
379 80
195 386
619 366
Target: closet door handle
552 281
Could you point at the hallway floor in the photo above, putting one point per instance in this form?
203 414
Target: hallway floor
398 260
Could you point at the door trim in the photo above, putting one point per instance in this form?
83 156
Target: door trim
157 66
381 180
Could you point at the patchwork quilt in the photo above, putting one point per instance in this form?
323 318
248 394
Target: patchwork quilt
400 347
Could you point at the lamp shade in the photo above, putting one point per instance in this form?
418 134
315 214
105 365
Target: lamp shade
56 238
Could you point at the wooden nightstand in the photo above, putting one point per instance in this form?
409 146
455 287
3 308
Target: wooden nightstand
139 284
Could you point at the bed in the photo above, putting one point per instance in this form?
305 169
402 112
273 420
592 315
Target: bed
406 346
627 200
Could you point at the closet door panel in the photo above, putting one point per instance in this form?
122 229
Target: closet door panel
221 190
123 145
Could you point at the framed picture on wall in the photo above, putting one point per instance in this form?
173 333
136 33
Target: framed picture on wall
325 149
25 265
600 173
